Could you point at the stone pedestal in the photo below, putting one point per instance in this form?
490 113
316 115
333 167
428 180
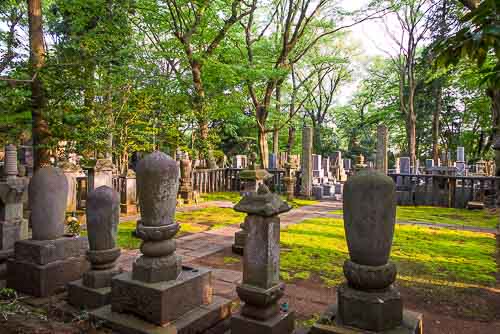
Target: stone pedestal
42 268
368 301
159 293
289 180
261 289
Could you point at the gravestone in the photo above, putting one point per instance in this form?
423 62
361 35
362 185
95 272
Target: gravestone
289 180
273 161
101 174
461 154
160 295
71 171
404 165
12 224
240 161
429 163
44 264
252 179
307 163
348 164
186 181
128 194
261 288
369 301
381 157
103 214
317 170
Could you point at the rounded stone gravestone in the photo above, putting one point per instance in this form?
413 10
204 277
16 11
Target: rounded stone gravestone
48 191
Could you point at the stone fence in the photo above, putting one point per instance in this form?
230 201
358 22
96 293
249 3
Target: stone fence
445 190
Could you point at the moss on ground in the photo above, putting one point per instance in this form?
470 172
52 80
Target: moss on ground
439 257
233 197
451 216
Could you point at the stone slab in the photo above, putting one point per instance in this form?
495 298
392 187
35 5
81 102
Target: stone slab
44 280
198 320
10 232
283 323
83 297
162 302
43 252
330 324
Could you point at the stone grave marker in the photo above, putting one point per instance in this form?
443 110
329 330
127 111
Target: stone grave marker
369 301
44 264
261 288
160 295
103 215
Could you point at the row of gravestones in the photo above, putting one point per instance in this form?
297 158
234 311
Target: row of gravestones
162 296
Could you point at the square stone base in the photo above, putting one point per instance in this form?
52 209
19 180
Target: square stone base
162 302
197 320
83 297
46 251
283 323
44 280
331 324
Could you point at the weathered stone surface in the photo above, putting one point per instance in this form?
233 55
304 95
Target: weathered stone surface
48 191
10 166
369 217
330 323
97 279
263 203
157 269
79 295
44 280
307 167
382 139
369 277
10 232
163 301
374 311
157 185
103 215
201 319
46 251
283 323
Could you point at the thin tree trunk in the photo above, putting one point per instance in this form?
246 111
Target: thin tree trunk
317 138
291 139
276 140
40 128
438 97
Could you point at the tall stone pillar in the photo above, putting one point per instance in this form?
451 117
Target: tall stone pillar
307 163
186 185
382 139
103 214
368 301
44 264
159 293
253 178
289 180
261 288
128 196
12 224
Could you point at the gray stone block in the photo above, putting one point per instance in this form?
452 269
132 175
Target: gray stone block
199 320
43 252
44 280
283 323
331 324
162 302
375 311
84 297
10 232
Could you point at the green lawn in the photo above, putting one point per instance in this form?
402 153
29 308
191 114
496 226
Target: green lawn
437 215
439 263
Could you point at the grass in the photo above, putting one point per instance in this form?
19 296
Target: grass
422 254
451 216
297 202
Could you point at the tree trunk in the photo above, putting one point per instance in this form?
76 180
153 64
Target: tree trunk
317 138
261 116
276 140
40 129
412 135
201 115
291 139
438 97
